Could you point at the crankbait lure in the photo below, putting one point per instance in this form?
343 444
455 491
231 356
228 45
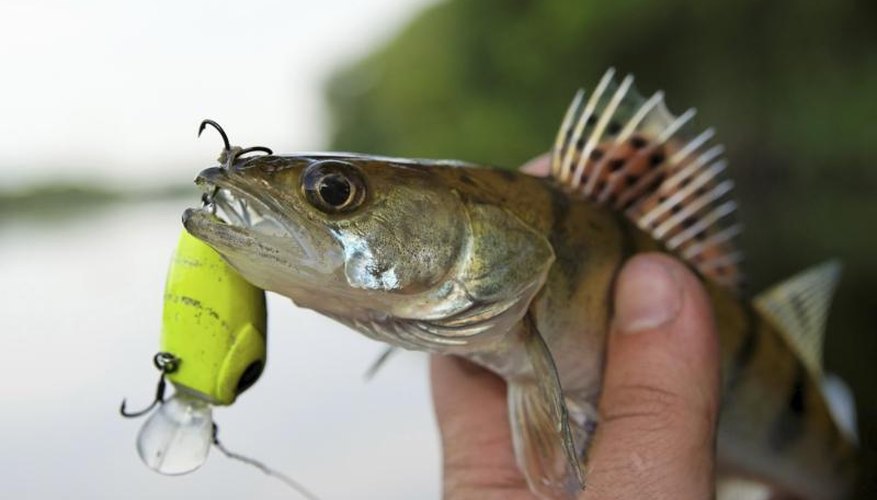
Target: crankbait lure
212 350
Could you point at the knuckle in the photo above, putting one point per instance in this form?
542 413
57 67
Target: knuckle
646 407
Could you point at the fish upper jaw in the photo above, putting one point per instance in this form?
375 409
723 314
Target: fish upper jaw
236 217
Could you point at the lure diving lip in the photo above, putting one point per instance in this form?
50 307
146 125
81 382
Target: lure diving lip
176 438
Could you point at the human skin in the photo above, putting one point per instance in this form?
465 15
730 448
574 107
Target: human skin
658 410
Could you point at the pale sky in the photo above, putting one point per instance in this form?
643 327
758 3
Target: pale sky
115 90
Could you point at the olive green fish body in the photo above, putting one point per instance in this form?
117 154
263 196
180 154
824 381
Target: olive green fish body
775 424
516 274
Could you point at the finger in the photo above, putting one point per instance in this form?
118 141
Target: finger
539 166
472 413
656 437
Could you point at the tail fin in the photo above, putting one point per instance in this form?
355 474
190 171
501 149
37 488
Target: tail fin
799 307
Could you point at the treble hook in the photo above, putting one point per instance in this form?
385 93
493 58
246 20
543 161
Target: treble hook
230 155
166 363
218 129
255 148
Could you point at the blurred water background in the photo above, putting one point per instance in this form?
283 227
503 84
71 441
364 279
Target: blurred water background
98 107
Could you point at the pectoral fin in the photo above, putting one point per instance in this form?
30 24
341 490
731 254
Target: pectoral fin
543 438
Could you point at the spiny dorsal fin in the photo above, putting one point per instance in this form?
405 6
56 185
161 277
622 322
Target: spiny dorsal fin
631 154
799 307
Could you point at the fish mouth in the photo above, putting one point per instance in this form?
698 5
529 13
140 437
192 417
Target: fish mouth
237 208
233 216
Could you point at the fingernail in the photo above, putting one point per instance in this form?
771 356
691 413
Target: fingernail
648 296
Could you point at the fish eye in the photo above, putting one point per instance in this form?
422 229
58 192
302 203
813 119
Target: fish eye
250 376
333 186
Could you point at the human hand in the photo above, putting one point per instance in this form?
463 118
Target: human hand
658 411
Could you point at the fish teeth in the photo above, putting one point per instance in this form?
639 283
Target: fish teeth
254 216
245 211
238 211
226 210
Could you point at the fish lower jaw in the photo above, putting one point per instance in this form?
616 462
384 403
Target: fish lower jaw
266 250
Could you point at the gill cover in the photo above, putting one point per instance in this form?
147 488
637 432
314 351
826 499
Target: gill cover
214 322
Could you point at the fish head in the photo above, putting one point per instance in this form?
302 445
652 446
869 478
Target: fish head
342 234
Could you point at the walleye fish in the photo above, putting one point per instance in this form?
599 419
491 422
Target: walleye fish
515 273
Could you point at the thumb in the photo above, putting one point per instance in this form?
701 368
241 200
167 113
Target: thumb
656 436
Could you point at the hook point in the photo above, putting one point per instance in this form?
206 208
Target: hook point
218 128
126 414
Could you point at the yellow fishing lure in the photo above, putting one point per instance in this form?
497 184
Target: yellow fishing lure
214 321
212 350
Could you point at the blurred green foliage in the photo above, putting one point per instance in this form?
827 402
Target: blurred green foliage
791 87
